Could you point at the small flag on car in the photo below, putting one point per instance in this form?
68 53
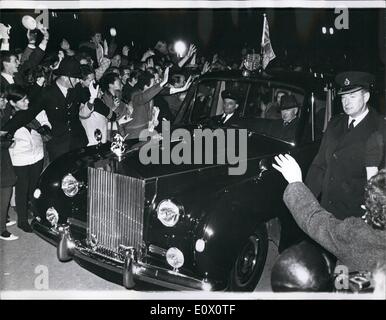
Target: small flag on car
266 47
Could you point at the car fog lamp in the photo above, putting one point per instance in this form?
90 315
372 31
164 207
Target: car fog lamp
52 216
168 213
70 185
175 258
200 245
37 193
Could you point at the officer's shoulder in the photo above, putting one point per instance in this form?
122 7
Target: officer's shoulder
378 118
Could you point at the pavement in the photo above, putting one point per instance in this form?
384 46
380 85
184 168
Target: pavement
29 266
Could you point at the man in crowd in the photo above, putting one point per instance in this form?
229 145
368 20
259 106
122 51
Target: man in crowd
64 104
12 71
95 43
350 152
129 86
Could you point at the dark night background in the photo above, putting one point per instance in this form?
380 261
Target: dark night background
297 30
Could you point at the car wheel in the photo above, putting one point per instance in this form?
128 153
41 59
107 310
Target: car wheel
249 264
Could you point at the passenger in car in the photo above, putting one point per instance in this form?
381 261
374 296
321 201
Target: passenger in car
285 128
230 114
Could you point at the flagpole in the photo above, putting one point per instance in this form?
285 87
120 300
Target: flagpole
261 45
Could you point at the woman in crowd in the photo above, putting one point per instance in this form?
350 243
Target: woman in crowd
142 99
8 176
358 243
26 153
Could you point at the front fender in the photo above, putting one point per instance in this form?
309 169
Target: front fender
228 224
52 195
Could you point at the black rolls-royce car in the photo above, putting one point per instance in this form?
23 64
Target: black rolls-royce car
184 226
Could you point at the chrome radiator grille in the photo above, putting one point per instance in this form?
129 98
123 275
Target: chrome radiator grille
115 211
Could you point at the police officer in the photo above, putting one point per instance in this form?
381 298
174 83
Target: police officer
64 103
350 151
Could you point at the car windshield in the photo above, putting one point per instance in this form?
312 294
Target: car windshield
258 106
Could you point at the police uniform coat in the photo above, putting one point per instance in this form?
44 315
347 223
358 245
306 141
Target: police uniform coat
338 171
63 114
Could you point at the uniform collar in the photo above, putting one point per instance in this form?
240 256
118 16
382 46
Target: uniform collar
64 90
358 119
227 116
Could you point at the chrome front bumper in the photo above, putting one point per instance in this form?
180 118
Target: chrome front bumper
130 269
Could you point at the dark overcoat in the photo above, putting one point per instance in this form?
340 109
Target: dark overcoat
63 114
338 172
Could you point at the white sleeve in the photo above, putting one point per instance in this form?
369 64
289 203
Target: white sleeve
85 111
43 119
4 46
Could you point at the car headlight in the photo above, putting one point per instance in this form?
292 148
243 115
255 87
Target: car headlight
70 185
168 213
37 193
175 258
52 216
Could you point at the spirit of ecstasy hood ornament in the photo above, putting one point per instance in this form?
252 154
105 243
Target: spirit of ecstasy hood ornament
118 145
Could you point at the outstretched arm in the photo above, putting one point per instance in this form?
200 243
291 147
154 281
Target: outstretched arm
318 223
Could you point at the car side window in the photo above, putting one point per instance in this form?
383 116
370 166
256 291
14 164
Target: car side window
260 96
240 88
209 103
203 101
264 114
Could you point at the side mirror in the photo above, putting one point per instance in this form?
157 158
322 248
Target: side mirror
98 135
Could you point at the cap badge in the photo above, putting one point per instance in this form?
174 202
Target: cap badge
346 82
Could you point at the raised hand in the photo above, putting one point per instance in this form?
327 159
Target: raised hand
192 50
105 47
147 54
117 102
166 77
288 167
4 31
45 33
205 68
215 58
93 91
188 83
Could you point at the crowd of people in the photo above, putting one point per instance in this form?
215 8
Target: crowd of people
53 102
